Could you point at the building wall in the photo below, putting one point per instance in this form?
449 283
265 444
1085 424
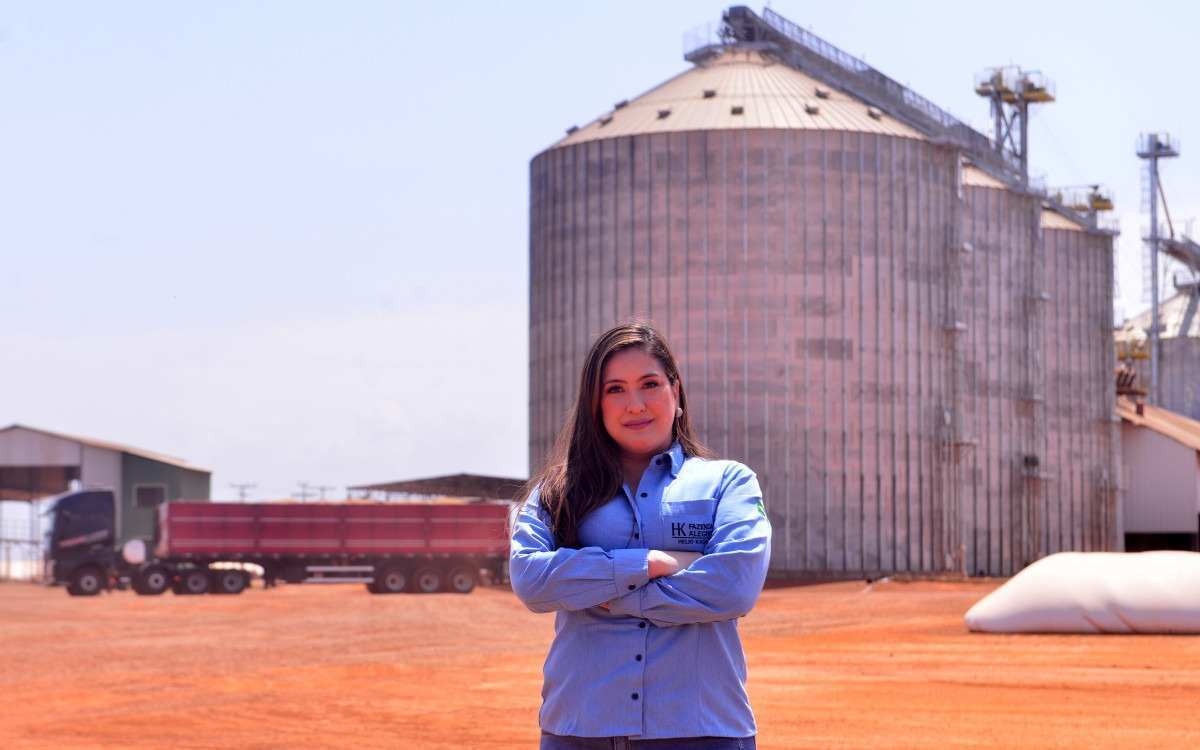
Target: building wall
98 467
102 470
180 484
1163 491
22 447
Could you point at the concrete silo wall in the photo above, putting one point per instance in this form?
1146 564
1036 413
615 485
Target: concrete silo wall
800 276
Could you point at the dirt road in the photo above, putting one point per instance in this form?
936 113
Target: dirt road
834 665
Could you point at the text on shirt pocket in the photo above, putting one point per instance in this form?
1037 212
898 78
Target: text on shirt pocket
688 524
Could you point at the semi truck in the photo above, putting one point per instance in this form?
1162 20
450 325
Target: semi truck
213 547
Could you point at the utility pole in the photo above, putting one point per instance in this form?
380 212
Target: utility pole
242 489
321 489
304 494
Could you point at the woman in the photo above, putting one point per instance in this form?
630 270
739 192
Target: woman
648 551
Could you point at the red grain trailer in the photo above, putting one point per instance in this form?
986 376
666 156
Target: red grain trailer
205 547
390 547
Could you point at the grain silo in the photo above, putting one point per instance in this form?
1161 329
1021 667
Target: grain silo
1038 402
799 226
1178 349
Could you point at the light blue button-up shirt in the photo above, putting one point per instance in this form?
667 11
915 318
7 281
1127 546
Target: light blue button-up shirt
665 660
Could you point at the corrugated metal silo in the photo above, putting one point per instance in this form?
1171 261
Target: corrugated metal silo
1178 351
790 242
806 254
1038 463
1082 450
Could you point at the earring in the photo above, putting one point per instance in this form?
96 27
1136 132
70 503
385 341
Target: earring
678 412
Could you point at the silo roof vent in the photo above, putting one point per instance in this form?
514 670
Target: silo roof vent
779 93
664 114
822 92
875 112
571 130
811 107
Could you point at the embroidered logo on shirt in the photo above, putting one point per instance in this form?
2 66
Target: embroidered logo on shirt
683 532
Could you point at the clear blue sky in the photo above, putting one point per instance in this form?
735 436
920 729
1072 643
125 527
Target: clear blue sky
288 240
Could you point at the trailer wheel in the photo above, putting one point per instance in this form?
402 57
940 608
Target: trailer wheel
87 581
229 581
192 582
152 581
461 580
391 580
427 580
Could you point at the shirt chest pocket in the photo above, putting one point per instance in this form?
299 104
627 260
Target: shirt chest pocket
688 524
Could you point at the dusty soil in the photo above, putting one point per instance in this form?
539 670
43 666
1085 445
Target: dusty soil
833 665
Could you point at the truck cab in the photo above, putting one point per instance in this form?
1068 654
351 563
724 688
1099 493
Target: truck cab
79 544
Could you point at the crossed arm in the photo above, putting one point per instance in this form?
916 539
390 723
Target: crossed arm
548 579
666 588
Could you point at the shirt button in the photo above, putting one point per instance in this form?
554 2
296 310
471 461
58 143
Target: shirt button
638 657
643 494
634 696
641 624
632 587
659 462
637 535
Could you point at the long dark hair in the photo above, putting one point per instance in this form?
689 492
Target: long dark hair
583 470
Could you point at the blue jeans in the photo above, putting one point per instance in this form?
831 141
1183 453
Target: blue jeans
557 742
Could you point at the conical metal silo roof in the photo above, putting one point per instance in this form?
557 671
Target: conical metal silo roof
740 89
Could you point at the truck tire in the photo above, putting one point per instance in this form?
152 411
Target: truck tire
389 580
427 580
152 581
229 581
461 580
192 582
86 581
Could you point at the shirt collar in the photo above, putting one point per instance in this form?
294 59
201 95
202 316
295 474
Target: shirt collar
675 455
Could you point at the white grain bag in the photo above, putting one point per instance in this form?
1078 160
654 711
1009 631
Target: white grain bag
1096 592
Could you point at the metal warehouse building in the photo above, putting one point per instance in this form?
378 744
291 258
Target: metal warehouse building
35 464
871 309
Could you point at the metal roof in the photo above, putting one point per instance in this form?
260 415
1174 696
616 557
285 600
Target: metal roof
973 176
1177 316
1179 428
769 93
1052 219
106 445
453 485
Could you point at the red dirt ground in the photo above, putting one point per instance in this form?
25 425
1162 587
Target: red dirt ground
833 665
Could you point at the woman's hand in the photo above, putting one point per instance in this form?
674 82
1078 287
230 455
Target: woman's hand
663 563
